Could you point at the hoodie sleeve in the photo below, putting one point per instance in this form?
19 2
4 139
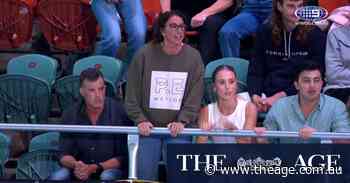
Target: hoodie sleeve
191 102
335 67
133 89
317 46
256 70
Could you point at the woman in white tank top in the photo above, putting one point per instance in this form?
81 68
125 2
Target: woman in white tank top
230 112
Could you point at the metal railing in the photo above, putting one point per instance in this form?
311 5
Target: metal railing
162 131
133 134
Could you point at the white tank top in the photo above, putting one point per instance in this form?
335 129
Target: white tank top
237 118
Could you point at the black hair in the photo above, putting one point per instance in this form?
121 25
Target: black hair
307 65
161 22
220 68
90 74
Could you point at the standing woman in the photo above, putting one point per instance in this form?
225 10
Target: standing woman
164 89
230 111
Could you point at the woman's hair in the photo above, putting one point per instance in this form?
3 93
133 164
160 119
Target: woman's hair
220 68
277 25
161 22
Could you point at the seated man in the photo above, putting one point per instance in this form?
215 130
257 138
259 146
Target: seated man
309 110
93 155
246 23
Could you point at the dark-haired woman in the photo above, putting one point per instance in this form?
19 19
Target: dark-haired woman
164 89
230 111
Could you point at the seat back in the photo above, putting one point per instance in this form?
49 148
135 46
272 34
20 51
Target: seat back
4 152
241 67
67 25
16 20
67 90
45 141
37 165
152 9
23 99
110 67
36 65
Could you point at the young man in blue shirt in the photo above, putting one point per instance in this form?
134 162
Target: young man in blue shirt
308 111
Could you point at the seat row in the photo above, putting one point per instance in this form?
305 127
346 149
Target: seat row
27 88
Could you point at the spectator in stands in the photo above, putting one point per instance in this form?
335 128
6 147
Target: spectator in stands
281 45
206 17
93 156
108 13
253 14
308 111
337 17
338 60
230 111
164 89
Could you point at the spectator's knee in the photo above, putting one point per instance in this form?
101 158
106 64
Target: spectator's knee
111 39
227 32
138 35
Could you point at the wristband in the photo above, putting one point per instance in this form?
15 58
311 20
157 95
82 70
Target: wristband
183 122
99 169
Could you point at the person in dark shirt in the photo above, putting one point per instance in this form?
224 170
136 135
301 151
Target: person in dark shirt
281 45
90 156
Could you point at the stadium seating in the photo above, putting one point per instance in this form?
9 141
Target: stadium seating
109 66
35 65
24 99
4 152
45 141
16 22
67 25
37 165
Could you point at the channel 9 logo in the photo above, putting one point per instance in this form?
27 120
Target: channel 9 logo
311 14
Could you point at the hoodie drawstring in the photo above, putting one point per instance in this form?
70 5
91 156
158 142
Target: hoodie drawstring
287 48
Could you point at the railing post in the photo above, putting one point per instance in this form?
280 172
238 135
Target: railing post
133 145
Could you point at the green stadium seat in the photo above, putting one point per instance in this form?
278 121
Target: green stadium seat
35 65
45 141
24 99
4 152
37 165
110 67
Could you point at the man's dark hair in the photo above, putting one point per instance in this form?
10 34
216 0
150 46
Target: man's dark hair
90 74
307 65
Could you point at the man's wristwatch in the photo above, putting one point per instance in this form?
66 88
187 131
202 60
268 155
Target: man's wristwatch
99 169
183 122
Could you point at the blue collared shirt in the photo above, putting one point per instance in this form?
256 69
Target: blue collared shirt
330 115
